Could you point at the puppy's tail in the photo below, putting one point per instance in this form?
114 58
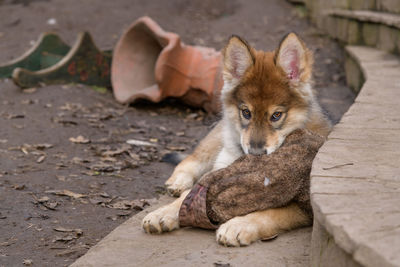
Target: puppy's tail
173 158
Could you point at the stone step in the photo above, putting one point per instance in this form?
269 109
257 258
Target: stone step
392 6
360 27
317 7
355 181
384 18
128 245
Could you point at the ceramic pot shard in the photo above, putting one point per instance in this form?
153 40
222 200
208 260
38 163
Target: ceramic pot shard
150 63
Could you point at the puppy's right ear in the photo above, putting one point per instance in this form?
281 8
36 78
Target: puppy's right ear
238 57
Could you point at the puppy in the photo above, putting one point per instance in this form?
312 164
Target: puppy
265 97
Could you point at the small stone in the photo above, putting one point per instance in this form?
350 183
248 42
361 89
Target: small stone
52 21
27 262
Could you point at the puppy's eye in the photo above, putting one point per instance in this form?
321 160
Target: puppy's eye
276 116
246 114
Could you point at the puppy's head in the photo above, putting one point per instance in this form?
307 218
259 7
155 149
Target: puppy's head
266 95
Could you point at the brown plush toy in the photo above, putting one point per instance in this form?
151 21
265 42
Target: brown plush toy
254 183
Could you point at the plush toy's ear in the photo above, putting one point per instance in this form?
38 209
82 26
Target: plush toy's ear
238 58
295 59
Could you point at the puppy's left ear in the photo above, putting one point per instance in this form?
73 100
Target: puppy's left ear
295 59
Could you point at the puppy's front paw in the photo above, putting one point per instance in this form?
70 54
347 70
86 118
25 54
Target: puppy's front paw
164 219
181 183
237 232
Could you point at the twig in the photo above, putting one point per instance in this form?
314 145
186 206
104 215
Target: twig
338 166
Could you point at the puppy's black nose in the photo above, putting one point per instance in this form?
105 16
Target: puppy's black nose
257 151
257 147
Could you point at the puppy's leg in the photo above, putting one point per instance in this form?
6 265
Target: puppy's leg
197 164
225 158
243 230
164 219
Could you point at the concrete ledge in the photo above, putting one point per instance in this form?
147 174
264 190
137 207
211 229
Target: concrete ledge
326 252
355 179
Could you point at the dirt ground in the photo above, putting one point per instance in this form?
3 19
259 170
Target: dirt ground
59 197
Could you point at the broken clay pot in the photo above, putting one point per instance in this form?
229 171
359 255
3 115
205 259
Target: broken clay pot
150 63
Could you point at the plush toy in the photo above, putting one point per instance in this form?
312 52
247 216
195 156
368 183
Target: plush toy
254 183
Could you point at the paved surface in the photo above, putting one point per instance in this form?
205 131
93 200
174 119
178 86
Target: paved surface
128 245
355 185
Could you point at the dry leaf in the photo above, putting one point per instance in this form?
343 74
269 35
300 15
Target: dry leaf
29 90
139 143
61 165
15 116
41 159
43 199
65 193
26 148
65 238
112 153
129 204
71 107
6 244
79 140
102 167
69 230
108 159
77 160
104 194
60 178
18 126
124 213
100 200
65 122
19 186
45 202
42 146
134 156
51 205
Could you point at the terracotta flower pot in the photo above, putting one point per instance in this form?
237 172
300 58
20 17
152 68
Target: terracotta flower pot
150 63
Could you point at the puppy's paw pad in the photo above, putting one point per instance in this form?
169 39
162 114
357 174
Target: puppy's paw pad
176 191
168 224
161 220
150 224
179 186
237 232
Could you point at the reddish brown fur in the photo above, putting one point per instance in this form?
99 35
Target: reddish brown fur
264 84
263 88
